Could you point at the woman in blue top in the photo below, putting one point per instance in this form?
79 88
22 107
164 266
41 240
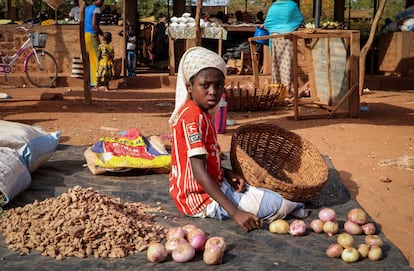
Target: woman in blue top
92 32
282 17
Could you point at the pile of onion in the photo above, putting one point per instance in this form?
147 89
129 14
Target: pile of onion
357 223
182 243
326 222
345 249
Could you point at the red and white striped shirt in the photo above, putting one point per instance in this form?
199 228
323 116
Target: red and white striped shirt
193 133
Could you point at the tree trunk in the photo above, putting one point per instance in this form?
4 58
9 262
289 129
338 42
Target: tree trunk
339 7
28 9
364 50
85 57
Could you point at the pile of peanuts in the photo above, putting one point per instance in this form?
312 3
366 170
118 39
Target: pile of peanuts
81 223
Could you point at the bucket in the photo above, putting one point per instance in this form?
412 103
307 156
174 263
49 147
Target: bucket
77 67
220 118
260 32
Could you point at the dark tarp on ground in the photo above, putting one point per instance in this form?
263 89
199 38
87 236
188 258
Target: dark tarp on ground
257 250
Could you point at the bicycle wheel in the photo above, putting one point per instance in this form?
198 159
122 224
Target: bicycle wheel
42 73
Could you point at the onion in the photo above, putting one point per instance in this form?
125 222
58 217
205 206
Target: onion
317 225
327 214
215 242
352 228
331 227
213 255
297 228
173 243
363 250
375 253
334 250
279 226
373 240
175 232
157 253
350 255
189 227
193 232
368 228
345 240
183 253
197 238
358 216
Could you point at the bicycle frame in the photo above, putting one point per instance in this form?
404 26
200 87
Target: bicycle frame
26 45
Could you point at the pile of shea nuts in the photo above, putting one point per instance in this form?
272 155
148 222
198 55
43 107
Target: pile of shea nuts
81 223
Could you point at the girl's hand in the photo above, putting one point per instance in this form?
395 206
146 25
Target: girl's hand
235 180
247 221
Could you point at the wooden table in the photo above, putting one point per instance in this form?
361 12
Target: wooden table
332 61
240 28
188 34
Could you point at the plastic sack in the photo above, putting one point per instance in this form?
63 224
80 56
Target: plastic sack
14 176
131 150
260 32
33 145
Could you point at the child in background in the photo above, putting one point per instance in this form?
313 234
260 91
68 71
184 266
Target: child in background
106 62
199 186
131 46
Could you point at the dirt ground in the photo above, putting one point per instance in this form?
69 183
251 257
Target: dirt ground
374 154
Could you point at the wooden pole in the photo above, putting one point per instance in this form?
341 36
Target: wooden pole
368 44
124 42
197 21
85 57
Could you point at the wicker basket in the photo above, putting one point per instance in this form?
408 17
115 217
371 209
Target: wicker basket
270 97
271 157
39 39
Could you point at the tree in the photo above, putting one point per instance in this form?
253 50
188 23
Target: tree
367 46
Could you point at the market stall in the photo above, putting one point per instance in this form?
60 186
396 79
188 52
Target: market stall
331 59
188 33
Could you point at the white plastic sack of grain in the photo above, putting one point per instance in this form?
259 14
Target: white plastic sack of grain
14 175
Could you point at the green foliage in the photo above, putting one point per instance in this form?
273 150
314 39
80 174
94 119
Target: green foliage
156 7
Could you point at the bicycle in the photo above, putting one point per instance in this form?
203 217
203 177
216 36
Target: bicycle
39 65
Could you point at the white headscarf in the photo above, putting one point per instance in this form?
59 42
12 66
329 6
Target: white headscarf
194 60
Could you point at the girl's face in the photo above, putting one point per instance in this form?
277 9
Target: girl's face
206 88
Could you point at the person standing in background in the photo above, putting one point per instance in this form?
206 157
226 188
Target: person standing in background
283 16
260 17
131 47
106 62
74 12
161 39
92 32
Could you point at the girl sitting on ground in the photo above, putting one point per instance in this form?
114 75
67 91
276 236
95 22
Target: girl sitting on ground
199 186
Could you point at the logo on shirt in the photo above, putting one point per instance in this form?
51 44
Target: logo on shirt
193 133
